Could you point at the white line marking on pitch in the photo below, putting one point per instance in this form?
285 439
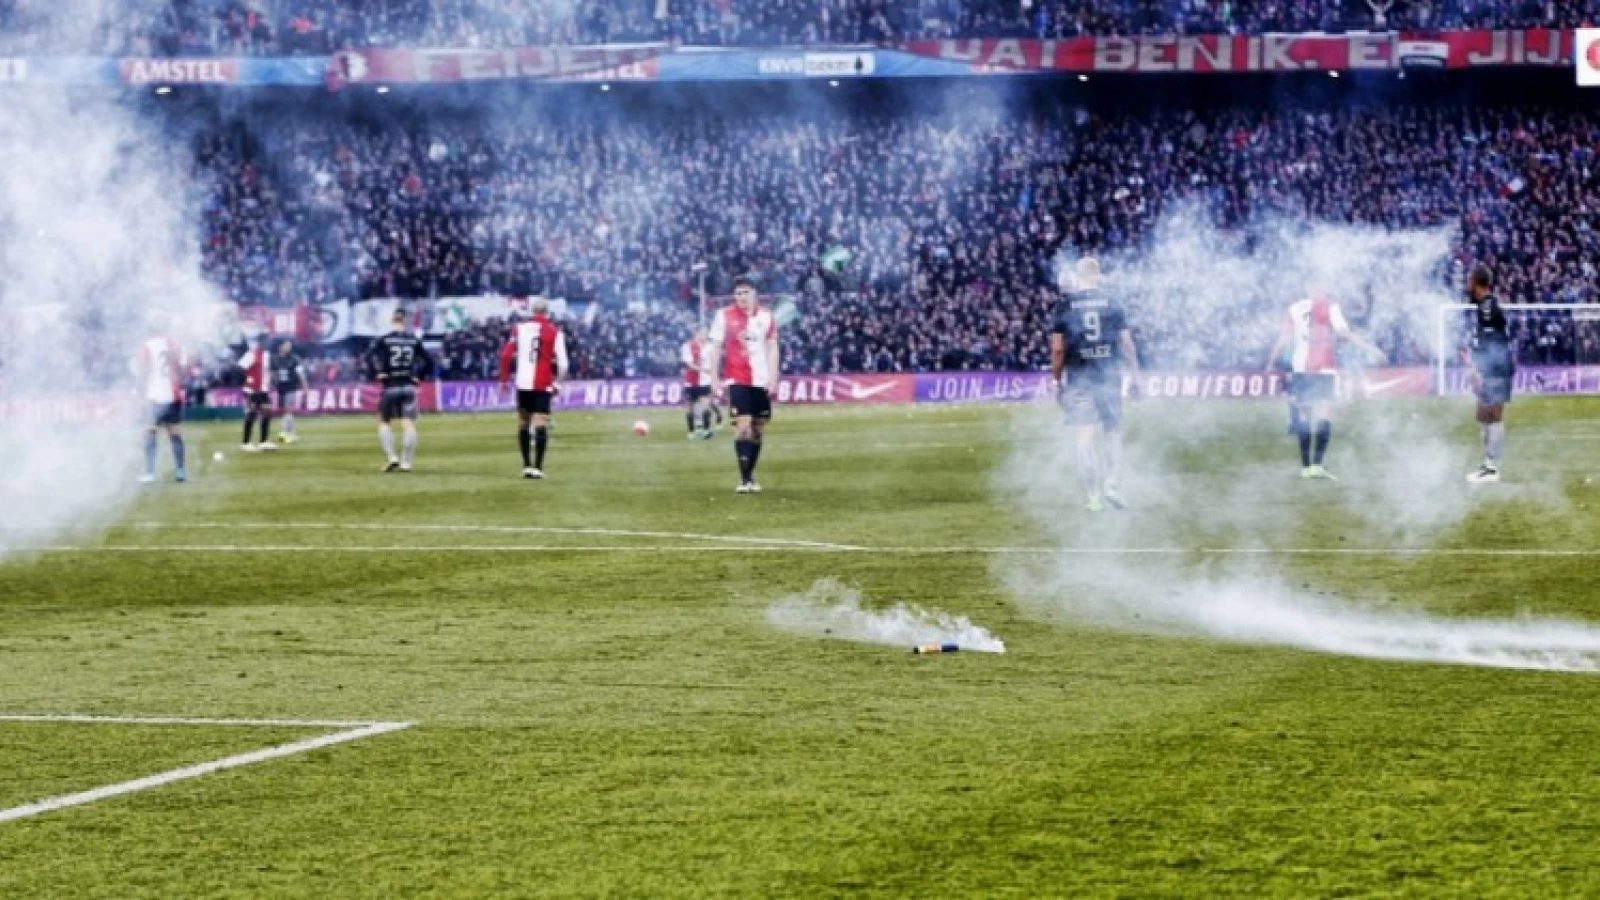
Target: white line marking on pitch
51 804
831 548
492 529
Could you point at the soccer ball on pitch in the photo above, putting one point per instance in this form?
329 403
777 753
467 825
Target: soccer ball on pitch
641 428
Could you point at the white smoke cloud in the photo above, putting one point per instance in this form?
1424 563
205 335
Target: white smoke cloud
832 610
1196 476
98 252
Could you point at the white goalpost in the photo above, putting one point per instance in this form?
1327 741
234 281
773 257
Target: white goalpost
1555 334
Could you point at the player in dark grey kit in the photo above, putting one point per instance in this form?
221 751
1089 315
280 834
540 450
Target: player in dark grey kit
1089 342
1492 370
398 361
288 380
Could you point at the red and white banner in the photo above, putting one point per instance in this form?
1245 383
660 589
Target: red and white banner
1586 53
1258 53
134 70
609 63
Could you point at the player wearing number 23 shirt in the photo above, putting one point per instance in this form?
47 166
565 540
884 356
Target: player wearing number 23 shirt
398 361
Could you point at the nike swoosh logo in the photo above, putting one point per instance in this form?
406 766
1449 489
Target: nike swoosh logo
857 392
1378 387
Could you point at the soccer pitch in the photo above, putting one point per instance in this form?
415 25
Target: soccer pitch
587 698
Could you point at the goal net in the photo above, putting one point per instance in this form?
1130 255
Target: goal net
1556 347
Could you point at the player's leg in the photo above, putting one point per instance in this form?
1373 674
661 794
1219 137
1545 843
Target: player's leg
741 407
180 471
286 431
386 414
1085 439
541 440
173 421
692 413
265 406
1300 418
246 444
408 422
525 438
1492 429
1083 420
1108 407
150 452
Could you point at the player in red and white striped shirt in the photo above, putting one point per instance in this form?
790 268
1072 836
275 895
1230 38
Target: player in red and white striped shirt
539 350
160 369
696 385
257 365
1312 331
744 342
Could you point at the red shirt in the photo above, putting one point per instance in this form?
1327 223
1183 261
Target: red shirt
540 352
257 365
744 336
693 359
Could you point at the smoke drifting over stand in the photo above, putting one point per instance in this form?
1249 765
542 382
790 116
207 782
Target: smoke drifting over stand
99 251
1403 482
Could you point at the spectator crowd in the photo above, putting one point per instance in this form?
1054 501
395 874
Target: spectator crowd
951 222
293 27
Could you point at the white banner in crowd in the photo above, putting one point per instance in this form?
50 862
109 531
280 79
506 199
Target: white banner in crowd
446 315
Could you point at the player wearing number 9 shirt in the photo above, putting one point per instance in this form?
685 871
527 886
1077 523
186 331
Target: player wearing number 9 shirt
539 350
1089 341
398 360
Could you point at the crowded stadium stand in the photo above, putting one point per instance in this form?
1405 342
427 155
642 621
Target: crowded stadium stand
290 27
612 207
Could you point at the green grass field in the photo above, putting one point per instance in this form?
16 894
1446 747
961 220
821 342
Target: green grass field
602 709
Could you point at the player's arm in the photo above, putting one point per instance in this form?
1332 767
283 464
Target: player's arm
773 358
300 372
1058 356
370 360
561 360
508 353
1342 328
713 354
1279 344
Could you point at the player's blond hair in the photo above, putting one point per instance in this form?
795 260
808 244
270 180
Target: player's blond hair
1087 270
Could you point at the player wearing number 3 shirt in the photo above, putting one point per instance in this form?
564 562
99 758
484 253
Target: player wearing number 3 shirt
744 343
539 351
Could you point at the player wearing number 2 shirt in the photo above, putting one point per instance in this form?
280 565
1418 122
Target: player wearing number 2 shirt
539 351
744 340
160 369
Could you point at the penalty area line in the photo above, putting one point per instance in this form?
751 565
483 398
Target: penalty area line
65 801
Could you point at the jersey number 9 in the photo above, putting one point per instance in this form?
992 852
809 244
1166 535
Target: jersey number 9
1091 326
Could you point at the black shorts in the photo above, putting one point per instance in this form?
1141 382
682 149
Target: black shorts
744 400
1311 387
1494 390
1093 401
694 394
286 397
535 403
166 414
258 399
399 402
